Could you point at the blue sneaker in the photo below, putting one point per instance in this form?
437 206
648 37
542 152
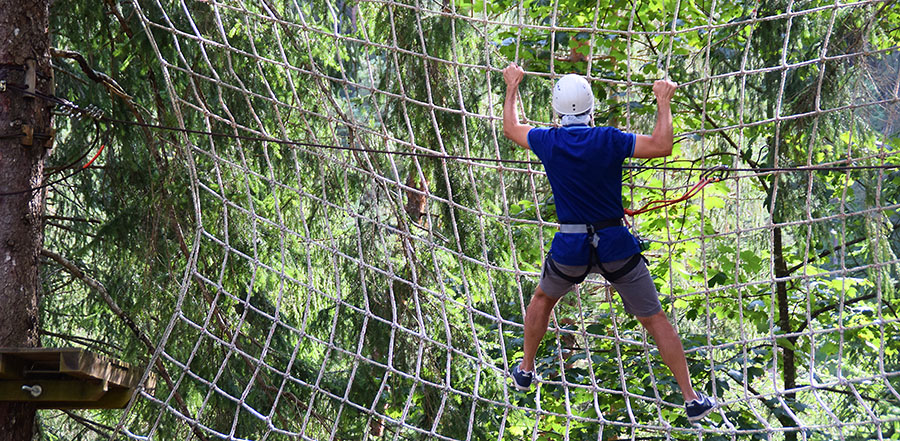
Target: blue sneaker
699 408
521 379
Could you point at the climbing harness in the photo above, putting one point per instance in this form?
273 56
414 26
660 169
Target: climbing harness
709 176
591 230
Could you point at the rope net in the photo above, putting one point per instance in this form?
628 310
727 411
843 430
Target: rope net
351 294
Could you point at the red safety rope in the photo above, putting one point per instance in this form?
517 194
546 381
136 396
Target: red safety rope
102 146
709 176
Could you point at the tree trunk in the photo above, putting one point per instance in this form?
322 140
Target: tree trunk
788 365
24 42
782 300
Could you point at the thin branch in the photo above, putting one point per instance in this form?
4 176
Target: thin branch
93 344
89 424
845 392
111 85
73 219
94 75
69 74
70 229
823 310
80 275
827 253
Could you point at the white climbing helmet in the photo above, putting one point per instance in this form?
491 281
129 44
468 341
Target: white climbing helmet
572 95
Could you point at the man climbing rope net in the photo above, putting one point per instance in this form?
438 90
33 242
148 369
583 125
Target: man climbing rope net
584 167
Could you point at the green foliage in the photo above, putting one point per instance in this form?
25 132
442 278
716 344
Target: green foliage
293 285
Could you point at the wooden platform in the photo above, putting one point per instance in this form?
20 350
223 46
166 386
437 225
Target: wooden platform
68 378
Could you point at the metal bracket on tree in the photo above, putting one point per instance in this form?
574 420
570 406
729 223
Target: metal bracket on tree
27 135
30 78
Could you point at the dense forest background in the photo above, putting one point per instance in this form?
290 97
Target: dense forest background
278 289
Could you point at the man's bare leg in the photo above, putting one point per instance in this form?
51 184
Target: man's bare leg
537 317
670 349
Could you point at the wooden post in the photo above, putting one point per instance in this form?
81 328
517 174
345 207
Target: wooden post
24 62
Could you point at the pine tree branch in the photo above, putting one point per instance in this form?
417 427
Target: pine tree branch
98 287
70 229
73 219
117 90
91 343
100 429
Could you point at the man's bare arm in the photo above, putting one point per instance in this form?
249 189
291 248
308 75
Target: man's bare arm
512 128
659 144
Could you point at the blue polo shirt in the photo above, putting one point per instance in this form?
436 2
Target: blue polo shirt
584 167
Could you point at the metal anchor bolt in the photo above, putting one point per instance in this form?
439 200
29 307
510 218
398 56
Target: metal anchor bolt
35 390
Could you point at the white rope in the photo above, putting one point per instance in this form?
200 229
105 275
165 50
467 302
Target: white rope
327 261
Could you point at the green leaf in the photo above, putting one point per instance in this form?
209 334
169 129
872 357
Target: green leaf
719 278
785 343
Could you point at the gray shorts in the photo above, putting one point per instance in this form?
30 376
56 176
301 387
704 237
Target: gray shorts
636 288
